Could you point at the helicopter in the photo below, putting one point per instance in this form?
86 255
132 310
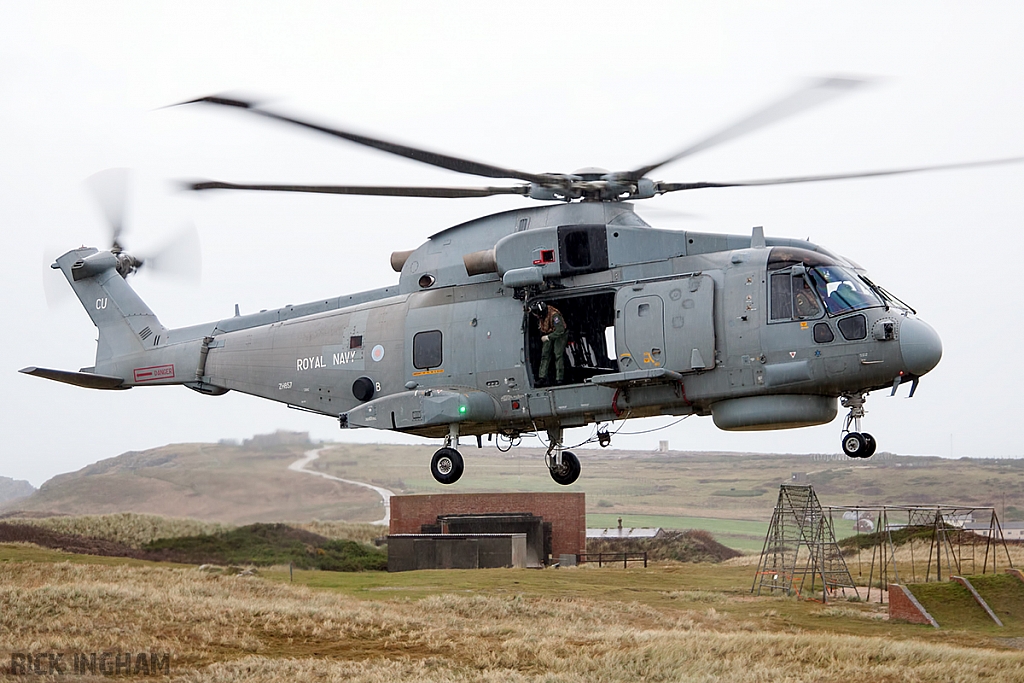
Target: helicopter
758 332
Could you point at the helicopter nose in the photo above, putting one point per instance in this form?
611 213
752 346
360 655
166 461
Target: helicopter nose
920 346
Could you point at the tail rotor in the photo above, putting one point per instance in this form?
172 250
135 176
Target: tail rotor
179 258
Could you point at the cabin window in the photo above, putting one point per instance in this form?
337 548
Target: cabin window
823 333
355 341
426 350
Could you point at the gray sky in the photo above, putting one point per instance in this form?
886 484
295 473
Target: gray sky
538 86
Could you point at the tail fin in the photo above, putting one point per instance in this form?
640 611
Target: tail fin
126 324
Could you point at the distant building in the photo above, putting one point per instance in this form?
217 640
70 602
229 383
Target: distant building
278 438
621 533
1012 531
663 446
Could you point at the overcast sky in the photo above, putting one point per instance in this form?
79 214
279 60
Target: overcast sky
538 86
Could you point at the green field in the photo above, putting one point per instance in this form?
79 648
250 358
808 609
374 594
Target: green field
736 533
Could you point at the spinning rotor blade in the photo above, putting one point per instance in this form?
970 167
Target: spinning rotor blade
444 192
179 258
55 287
662 188
816 93
451 163
110 189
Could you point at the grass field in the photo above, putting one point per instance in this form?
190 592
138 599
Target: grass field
674 622
736 533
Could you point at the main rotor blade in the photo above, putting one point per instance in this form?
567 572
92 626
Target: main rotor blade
662 188
449 192
816 93
446 161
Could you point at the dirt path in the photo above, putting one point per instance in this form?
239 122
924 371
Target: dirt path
309 456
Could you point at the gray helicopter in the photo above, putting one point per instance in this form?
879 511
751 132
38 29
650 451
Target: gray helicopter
626 320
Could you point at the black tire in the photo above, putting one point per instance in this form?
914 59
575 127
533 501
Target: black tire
447 465
569 472
854 445
869 445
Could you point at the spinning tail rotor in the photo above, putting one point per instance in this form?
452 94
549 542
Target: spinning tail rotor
179 257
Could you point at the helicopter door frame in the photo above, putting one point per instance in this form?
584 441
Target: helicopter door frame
588 315
687 325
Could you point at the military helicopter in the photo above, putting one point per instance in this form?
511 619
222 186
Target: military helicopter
757 332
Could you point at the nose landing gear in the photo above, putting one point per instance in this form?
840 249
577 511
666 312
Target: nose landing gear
856 444
564 466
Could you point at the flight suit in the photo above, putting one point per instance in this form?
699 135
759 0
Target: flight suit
553 327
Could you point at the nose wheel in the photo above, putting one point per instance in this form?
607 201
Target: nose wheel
856 444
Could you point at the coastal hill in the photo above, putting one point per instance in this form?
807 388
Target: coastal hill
224 482
14 489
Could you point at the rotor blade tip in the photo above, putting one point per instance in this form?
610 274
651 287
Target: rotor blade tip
220 99
843 82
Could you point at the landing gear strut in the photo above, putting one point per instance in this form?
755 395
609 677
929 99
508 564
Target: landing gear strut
447 465
856 444
564 466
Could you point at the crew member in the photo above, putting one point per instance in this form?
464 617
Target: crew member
554 337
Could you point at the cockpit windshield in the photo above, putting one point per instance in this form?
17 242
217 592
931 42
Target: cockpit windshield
841 290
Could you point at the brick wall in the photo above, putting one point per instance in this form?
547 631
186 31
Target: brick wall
567 513
903 607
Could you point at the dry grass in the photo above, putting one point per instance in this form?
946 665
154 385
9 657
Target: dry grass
136 530
345 531
223 628
132 529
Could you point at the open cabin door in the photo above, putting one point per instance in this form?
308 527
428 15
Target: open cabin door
668 324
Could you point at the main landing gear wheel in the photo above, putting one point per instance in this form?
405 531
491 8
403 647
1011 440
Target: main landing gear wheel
447 465
569 471
869 445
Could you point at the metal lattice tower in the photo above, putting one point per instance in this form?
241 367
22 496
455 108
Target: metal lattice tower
801 544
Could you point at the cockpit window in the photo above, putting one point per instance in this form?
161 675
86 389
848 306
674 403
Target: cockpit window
841 290
792 297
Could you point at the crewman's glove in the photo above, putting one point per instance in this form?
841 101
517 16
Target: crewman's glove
544 338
